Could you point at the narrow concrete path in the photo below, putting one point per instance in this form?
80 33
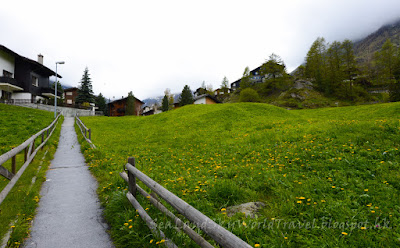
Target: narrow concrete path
69 213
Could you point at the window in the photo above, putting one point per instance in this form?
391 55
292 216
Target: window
69 93
7 74
35 81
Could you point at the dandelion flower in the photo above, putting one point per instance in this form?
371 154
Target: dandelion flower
257 245
151 241
366 190
344 233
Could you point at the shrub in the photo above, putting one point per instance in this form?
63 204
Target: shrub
249 95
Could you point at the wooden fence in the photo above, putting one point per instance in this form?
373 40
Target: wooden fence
222 236
86 132
29 153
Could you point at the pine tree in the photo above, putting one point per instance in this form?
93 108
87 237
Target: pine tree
130 105
85 92
100 102
165 104
186 96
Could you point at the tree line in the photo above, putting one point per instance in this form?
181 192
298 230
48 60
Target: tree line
334 70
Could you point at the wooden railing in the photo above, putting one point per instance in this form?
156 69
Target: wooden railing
29 153
86 132
219 234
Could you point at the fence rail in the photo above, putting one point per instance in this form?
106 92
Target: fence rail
86 132
219 234
29 153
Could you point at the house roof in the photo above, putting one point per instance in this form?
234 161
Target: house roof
207 95
122 99
251 73
71 89
34 63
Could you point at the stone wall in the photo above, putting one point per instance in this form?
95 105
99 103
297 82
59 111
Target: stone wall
65 111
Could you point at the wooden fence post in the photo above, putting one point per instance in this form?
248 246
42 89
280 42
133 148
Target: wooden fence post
13 165
47 135
85 133
33 146
131 177
42 140
90 134
26 154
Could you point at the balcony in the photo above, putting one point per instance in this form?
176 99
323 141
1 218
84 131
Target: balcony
49 92
10 84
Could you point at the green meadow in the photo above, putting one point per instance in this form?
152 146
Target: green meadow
18 124
329 177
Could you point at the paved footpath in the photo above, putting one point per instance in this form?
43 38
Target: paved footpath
69 213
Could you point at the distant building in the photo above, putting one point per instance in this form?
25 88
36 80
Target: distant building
206 99
70 95
153 110
118 107
255 77
23 80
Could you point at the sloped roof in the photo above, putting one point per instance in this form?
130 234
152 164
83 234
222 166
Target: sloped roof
30 61
207 95
122 99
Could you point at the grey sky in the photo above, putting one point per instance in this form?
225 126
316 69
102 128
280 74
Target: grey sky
147 46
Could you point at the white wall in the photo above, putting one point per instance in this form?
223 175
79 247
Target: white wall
7 62
21 96
200 101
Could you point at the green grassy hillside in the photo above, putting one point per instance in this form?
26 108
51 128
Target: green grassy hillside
328 177
17 124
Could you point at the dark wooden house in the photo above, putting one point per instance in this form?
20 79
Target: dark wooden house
70 95
23 79
118 107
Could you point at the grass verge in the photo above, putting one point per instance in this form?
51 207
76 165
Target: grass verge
18 208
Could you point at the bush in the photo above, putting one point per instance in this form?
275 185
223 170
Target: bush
249 95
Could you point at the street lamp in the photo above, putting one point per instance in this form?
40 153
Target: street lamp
55 90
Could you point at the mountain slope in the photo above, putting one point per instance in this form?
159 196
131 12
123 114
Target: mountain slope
364 49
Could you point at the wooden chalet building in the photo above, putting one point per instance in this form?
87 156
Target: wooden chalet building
206 99
70 95
23 80
255 77
118 107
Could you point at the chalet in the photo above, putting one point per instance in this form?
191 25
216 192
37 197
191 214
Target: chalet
70 95
206 99
118 107
24 80
255 77
150 110
220 92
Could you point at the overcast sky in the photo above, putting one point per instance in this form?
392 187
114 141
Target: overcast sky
147 46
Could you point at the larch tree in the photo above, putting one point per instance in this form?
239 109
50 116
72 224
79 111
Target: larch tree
316 64
225 85
245 81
